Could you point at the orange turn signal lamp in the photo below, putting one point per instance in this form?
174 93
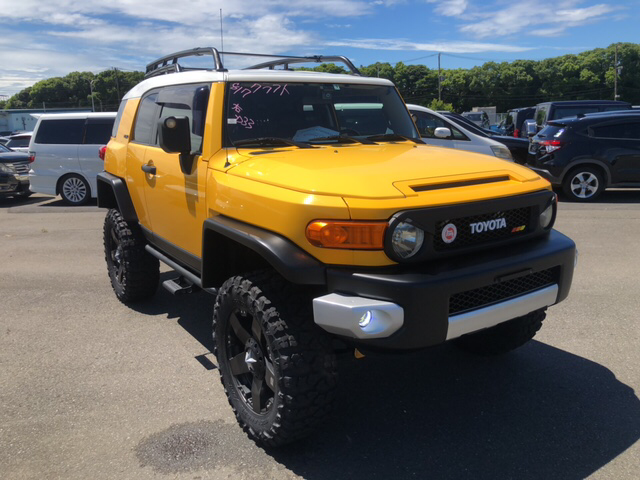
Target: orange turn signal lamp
351 235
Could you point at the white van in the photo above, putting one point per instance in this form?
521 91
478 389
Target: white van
436 129
64 154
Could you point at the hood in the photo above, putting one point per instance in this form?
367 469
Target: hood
11 157
370 171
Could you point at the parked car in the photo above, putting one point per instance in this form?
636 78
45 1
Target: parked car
479 118
515 118
307 203
4 140
585 155
64 152
435 129
14 167
547 111
517 146
19 142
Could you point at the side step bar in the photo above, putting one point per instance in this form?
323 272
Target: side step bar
179 286
187 274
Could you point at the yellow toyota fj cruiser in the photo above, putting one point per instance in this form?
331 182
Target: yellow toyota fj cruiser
309 205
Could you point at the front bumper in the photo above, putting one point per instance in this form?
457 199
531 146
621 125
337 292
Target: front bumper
11 184
415 303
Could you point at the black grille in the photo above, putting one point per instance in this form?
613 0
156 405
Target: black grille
498 292
515 220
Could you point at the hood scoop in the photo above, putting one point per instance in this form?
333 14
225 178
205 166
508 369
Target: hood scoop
462 183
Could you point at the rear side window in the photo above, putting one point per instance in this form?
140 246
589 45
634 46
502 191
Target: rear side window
541 114
60 132
98 131
551 131
18 142
116 123
563 112
147 115
617 130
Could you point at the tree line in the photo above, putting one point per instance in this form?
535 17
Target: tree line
590 75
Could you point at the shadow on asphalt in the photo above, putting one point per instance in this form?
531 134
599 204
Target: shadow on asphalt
539 412
612 196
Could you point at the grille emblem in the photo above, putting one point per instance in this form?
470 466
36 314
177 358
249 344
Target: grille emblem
449 233
488 225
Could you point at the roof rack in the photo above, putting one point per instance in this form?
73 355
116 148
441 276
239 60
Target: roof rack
169 63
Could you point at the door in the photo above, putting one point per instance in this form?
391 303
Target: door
175 199
620 143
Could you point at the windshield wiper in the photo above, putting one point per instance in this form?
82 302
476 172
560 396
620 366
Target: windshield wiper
342 138
390 137
269 141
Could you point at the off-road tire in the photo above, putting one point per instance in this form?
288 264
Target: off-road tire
296 356
504 337
134 273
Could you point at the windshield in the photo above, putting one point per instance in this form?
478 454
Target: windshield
308 112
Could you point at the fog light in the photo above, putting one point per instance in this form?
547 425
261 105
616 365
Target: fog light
365 320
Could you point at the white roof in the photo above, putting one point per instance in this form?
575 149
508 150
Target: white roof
76 115
209 76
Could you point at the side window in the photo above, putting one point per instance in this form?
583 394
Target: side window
60 132
146 119
98 131
116 123
186 101
629 131
541 115
428 123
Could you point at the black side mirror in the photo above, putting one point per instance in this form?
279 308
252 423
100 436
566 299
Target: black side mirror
174 136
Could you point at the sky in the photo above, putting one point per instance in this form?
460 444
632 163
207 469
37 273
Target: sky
48 38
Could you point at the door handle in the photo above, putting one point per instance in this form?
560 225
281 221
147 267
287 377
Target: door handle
150 169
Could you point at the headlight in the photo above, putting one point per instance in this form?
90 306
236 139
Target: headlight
546 217
501 151
6 169
406 240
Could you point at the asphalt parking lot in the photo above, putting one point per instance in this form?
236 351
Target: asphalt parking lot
90 388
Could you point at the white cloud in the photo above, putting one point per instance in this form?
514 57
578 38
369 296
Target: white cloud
444 47
450 8
549 19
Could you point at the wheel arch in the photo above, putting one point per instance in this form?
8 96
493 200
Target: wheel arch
113 193
69 174
231 247
601 166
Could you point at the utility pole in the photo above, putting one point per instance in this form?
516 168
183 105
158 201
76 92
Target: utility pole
439 80
93 107
117 83
615 77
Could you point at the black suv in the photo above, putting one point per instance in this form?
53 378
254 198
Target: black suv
514 120
586 154
547 111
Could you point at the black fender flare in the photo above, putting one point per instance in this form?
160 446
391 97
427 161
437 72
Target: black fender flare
288 259
113 193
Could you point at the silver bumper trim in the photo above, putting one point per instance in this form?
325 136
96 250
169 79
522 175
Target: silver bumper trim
493 315
341 314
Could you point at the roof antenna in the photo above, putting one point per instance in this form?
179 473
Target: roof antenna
221 36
